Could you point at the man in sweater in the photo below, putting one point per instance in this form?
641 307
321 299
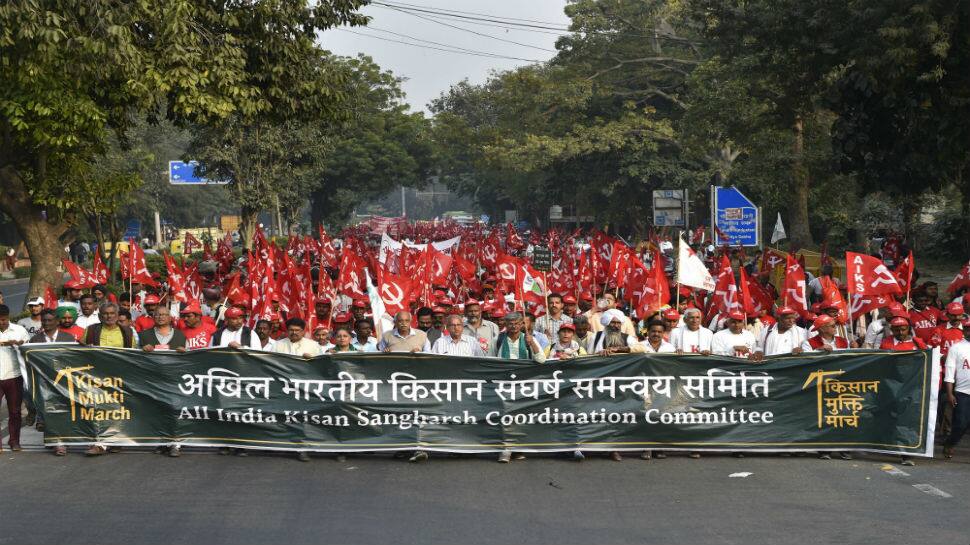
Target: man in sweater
403 338
163 335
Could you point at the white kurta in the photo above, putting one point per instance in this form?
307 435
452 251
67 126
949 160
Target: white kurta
773 342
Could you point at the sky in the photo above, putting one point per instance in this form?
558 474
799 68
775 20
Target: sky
428 72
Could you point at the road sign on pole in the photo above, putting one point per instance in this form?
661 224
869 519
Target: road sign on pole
735 216
670 208
183 173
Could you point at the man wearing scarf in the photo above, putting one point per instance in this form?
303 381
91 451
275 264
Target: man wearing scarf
611 340
517 344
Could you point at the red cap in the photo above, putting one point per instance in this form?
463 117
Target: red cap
192 308
498 312
151 300
736 315
359 304
786 310
471 302
671 314
955 308
274 316
899 320
823 320
323 299
343 317
569 300
828 304
438 310
454 310
446 302
570 327
586 296
899 311
685 291
72 285
233 312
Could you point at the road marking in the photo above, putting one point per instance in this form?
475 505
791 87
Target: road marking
741 474
931 490
893 470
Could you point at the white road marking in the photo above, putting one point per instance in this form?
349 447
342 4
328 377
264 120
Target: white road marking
893 470
932 490
741 474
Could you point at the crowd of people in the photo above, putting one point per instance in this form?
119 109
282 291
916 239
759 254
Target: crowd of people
487 323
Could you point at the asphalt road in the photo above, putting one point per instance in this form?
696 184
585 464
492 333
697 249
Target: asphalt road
138 497
15 294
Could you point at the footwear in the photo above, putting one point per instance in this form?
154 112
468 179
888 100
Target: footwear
419 456
161 450
845 455
578 455
646 455
95 450
824 456
224 451
60 450
948 452
174 451
616 456
907 462
16 447
660 455
114 450
303 456
694 455
29 419
505 457
518 456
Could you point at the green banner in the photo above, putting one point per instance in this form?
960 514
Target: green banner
859 400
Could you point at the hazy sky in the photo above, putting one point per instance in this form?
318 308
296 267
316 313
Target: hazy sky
428 72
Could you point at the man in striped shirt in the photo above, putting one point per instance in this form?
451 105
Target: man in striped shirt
457 343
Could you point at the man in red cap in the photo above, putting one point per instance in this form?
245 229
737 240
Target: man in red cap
145 321
322 313
951 332
902 338
359 310
569 305
692 337
197 333
879 327
734 340
923 317
783 337
234 334
826 340
72 295
671 321
483 330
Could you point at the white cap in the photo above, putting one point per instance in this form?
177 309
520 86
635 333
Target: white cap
36 301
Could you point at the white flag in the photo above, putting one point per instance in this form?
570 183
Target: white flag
779 232
691 270
382 322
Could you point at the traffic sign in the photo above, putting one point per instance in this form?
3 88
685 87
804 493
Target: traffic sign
183 173
735 216
670 208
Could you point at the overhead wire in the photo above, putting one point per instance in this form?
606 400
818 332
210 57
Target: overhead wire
474 31
454 49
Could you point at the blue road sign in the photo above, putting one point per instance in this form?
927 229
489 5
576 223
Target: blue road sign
484 218
735 216
132 230
183 173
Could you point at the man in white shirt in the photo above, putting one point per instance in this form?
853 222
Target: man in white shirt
612 339
957 382
11 383
456 343
550 323
783 337
296 343
825 340
517 343
735 340
655 343
89 311
692 338
234 334
479 327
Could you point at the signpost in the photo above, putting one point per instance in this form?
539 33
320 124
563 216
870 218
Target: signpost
183 173
735 216
670 208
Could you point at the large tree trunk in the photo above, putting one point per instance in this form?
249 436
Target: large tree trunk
800 234
248 217
43 237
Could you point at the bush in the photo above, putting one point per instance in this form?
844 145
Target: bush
22 272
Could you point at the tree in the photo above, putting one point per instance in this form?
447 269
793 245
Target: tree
73 71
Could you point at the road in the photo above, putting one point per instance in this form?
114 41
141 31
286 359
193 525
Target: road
14 294
146 498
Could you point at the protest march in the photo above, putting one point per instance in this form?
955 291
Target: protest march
424 337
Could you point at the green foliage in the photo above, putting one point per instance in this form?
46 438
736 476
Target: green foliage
21 272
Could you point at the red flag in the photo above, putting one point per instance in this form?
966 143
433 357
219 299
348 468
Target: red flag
512 238
831 295
506 267
176 279
395 292
135 267
234 292
50 297
439 265
725 298
601 246
751 306
351 281
867 303
619 263
771 259
490 252
190 243
79 274
328 255
529 284
962 280
869 276
99 269
904 272
466 269
794 294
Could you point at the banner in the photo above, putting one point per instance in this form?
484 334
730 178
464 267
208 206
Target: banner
860 400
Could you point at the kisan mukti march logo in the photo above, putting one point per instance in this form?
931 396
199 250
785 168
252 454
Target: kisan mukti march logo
94 398
839 402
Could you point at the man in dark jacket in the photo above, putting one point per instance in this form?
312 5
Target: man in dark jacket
108 333
163 336
49 333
